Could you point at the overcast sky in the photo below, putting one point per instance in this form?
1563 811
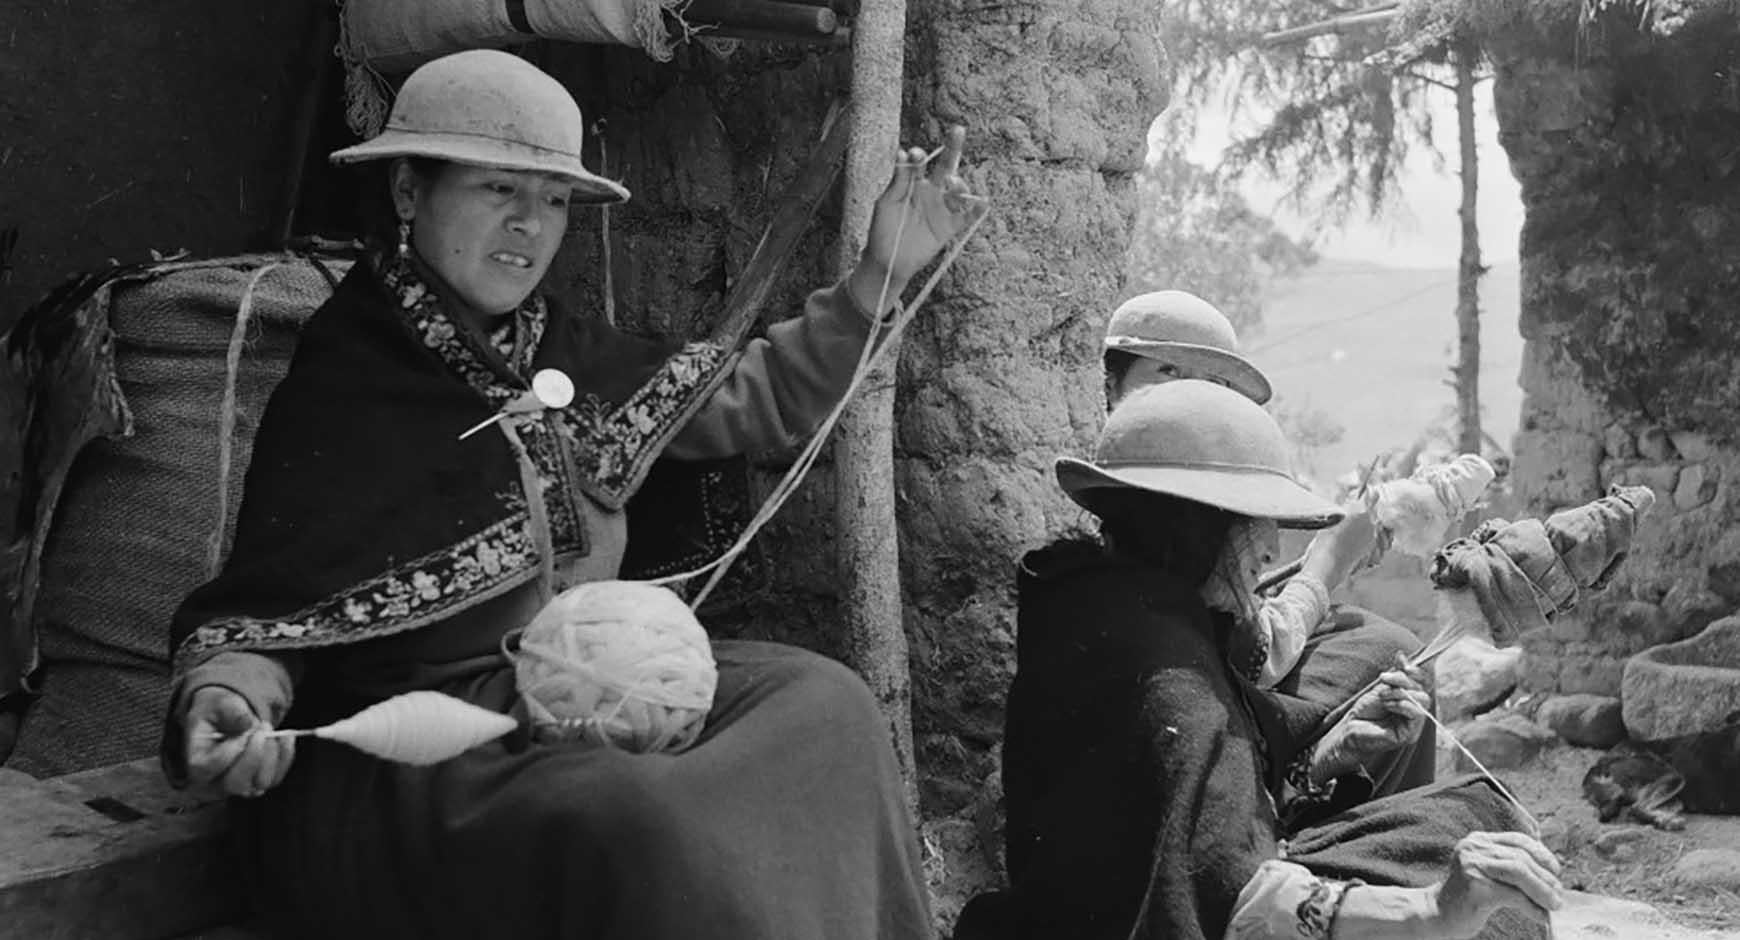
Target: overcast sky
1420 227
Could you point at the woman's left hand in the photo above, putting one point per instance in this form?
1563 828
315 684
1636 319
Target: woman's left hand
1385 718
926 206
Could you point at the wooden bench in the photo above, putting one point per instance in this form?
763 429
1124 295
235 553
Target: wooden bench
114 854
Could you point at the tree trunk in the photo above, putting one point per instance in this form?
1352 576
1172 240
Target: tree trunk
1469 271
873 630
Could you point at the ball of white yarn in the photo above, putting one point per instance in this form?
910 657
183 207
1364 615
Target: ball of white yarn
618 662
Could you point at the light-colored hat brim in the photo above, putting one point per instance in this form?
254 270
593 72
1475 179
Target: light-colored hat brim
1245 378
486 151
1248 491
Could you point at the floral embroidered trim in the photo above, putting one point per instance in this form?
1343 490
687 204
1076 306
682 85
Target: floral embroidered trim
1258 657
1316 914
1298 779
611 448
545 448
429 322
615 447
413 594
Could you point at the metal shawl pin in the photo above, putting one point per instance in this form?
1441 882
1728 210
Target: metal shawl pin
551 388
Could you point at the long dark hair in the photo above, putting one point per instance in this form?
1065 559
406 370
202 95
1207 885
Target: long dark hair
1180 536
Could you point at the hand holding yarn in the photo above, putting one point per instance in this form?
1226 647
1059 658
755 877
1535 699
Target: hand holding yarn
1388 716
229 748
623 663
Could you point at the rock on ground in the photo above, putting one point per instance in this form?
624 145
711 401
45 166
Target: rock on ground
1684 687
1713 868
1502 742
1584 720
1473 676
1620 844
1595 917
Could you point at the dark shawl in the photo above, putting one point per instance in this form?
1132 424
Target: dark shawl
366 516
1138 769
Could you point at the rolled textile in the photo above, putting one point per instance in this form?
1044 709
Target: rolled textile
398 35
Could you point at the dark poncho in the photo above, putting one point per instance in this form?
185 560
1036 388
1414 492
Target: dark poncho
391 556
335 541
1141 772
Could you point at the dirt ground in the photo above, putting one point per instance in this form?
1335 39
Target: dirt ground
1552 789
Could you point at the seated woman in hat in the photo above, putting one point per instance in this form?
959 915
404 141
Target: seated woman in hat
379 550
1152 789
1295 641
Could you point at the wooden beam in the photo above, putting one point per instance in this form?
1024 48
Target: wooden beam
111 853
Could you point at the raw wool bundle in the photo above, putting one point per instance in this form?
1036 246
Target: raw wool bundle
617 662
416 728
1419 510
395 36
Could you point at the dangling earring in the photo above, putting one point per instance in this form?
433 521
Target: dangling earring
404 238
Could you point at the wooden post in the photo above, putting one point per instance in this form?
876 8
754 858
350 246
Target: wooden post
867 549
1468 438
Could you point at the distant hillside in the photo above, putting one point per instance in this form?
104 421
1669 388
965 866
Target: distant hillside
1372 347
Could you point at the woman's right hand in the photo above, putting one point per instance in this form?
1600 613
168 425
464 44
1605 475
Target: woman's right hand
1493 870
225 747
1355 542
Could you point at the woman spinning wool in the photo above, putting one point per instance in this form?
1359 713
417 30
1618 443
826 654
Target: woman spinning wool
379 551
1154 789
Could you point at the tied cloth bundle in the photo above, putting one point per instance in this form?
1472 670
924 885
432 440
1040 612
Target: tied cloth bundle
1511 577
1419 510
616 662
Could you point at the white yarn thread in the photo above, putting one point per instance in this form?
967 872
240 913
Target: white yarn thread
867 360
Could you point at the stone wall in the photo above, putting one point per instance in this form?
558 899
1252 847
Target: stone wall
1626 146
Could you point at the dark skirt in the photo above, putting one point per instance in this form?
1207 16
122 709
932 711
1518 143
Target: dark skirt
785 820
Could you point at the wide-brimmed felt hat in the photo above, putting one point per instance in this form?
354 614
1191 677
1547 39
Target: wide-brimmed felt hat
1203 442
1181 328
488 108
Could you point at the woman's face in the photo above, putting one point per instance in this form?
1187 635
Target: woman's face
1144 371
1265 546
491 234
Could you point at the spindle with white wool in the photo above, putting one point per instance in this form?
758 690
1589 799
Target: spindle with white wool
623 663
419 727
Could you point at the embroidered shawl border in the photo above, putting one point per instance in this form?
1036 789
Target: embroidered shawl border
419 592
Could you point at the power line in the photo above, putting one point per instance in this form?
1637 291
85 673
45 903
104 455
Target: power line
1357 315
